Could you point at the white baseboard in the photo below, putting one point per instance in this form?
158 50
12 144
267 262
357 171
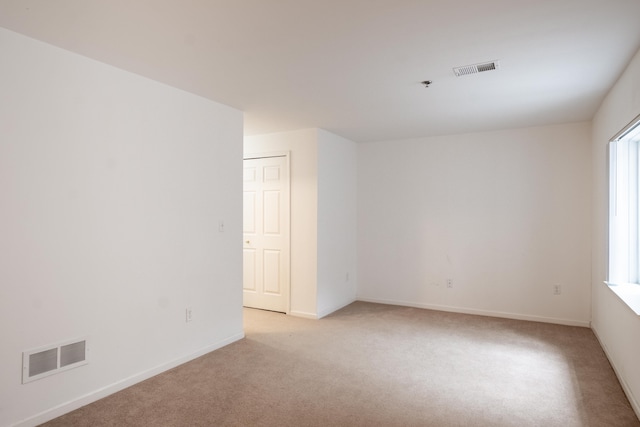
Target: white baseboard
623 383
321 313
101 393
463 310
328 311
304 315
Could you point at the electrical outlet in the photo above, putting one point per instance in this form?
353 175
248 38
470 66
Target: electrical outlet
347 277
557 289
449 283
188 314
221 226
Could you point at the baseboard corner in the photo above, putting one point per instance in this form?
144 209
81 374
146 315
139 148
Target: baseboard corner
328 311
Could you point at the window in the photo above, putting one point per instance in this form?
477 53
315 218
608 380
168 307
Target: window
624 213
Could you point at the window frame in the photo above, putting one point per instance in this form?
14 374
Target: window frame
623 215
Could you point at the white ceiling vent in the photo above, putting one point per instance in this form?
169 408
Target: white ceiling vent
476 68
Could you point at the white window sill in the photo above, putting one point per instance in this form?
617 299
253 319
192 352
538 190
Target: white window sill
629 293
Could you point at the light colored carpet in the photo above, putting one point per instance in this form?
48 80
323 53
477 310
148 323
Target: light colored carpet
380 365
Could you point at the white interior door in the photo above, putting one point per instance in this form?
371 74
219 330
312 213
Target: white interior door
266 233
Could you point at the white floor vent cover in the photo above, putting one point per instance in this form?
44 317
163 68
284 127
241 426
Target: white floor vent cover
45 361
476 68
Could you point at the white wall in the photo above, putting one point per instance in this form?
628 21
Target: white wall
617 327
111 188
504 214
337 222
302 145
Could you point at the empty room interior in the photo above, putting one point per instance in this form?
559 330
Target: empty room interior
166 164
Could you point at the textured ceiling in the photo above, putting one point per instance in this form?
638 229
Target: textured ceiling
354 67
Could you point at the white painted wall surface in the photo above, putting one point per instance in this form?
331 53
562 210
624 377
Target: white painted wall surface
337 222
302 145
504 214
617 327
111 188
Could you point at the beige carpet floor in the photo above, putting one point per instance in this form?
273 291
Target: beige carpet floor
380 365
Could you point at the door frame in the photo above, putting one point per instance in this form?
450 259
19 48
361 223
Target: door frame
286 213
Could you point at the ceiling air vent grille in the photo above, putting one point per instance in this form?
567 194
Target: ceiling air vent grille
476 68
